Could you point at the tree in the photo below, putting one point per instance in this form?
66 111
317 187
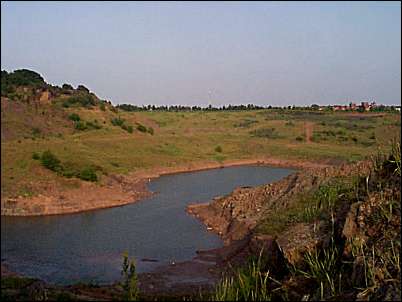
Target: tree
82 88
67 87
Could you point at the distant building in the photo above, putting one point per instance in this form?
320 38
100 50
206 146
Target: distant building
339 108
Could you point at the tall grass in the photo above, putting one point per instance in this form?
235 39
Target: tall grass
248 284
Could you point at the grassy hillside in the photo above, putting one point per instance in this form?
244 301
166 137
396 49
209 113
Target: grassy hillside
36 117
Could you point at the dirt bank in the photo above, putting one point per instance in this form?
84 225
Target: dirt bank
118 190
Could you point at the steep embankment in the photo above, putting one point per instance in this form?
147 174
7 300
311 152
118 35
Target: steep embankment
233 216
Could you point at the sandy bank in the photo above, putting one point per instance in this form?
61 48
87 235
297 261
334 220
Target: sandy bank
119 190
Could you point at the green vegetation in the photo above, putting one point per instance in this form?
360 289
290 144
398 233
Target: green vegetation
88 173
81 99
265 133
180 135
35 156
117 121
130 282
364 265
142 128
74 117
218 149
250 283
51 162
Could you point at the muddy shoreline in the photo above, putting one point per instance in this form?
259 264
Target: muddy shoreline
119 190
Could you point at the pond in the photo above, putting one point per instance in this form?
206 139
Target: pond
88 246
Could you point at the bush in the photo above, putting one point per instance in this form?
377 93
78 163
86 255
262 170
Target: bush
88 174
67 87
299 138
129 129
35 156
36 131
50 161
141 128
74 117
218 149
81 99
102 107
93 125
117 121
80 126
82 88
151 130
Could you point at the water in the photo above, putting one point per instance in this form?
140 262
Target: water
88 246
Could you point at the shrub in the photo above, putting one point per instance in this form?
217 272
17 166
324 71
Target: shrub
218 149
151 130
82 99
82 88
67 87
36 131
141 128
80 126
74 117
93 125
299 138
129 129
88 174
50 161
35 156
102 107
117 121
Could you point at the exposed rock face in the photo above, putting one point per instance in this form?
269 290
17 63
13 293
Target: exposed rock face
234 215
45 97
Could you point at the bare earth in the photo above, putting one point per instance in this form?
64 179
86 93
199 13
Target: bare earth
118 190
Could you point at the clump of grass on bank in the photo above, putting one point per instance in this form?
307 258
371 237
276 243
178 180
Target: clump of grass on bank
250 283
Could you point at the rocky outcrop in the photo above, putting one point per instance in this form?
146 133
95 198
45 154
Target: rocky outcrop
236 214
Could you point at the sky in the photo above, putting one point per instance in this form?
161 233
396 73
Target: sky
218 53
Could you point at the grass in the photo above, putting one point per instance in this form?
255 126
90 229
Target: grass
178 138
366 266
250 283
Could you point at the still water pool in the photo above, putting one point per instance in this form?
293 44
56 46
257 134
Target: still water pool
88 246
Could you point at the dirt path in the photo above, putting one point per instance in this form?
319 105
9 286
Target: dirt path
308 128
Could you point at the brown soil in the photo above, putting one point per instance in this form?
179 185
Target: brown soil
117 190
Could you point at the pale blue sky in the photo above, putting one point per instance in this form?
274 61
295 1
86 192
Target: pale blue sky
267 53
